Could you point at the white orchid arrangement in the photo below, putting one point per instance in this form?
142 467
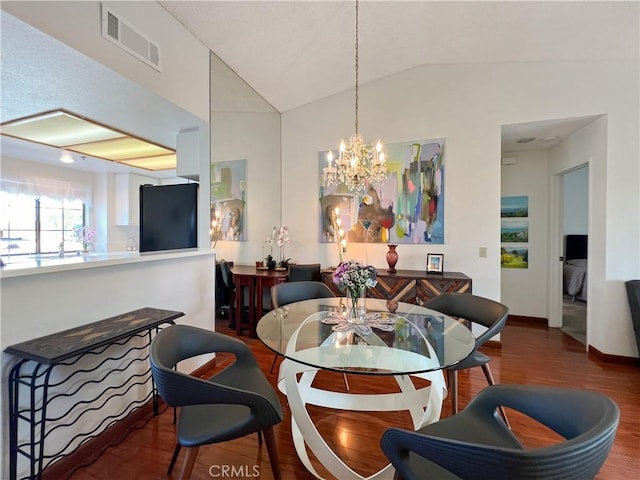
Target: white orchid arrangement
282 236
279 237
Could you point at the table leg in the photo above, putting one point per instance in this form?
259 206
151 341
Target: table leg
424 404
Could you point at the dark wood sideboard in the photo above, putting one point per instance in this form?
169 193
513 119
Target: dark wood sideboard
410 286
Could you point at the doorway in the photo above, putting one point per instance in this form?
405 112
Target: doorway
575 228
533 157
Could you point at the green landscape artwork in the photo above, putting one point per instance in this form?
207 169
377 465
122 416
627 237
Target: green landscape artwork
514 231
511 207
514 257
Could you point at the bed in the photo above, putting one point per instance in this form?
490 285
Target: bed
575 266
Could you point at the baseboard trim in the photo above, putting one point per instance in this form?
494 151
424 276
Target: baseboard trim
524 321
607 358
89 452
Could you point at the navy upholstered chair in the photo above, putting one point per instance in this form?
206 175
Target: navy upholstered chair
235 402
475 309
289 292
309 272
476 444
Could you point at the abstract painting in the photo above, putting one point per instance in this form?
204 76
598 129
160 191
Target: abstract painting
407 207
228 198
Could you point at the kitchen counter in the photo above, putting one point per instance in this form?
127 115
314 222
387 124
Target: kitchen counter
51 263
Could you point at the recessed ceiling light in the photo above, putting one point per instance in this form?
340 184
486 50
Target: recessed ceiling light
525 140
66 157
77 134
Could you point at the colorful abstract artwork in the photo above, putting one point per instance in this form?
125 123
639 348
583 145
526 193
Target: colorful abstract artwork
407 207
228 198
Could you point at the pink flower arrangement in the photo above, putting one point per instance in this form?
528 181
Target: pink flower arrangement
85 235
354 276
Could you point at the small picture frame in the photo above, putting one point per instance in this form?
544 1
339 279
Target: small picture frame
435 263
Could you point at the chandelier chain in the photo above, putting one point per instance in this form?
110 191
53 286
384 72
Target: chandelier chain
359 165
356 90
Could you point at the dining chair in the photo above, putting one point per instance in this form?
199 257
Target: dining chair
289 292
234 403
227 278
633 296
482 311
309 272
476 444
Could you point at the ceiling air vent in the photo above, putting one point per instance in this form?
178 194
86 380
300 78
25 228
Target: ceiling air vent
129 39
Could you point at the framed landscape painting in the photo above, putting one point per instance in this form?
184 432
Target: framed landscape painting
514 207
512 256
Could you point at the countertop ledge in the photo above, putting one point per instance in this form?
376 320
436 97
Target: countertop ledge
53 263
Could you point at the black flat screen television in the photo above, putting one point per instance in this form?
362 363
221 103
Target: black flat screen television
168 217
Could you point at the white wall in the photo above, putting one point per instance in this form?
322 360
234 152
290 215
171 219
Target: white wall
576 202
72 298
614 199
41 73
467 104
185 61
523 290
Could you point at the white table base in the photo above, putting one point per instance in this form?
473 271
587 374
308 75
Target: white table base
424 405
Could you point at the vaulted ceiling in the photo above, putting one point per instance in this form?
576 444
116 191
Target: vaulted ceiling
296 52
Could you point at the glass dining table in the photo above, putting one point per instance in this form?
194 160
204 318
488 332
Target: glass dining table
392 339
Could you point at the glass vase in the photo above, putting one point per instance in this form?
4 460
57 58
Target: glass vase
356 304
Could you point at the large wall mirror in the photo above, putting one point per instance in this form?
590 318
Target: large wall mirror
245 165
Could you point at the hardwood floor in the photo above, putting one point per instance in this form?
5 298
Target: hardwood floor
528 355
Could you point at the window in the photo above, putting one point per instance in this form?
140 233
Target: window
33 224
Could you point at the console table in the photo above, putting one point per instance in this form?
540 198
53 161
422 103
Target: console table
61 377
410 286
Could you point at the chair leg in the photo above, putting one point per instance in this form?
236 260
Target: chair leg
176 452
273 364
270 440
489 376
452 380
189 462
346 382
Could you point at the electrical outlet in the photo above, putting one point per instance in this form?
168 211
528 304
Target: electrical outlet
483 252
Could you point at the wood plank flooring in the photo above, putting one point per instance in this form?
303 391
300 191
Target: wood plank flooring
528 355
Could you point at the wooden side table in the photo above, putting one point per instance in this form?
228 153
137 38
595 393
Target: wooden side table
255 280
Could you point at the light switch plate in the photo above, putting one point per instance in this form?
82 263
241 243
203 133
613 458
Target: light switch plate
483 252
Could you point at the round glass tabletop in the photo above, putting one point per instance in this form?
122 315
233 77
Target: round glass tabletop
410 340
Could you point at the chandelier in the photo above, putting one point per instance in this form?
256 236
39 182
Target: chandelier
359 164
